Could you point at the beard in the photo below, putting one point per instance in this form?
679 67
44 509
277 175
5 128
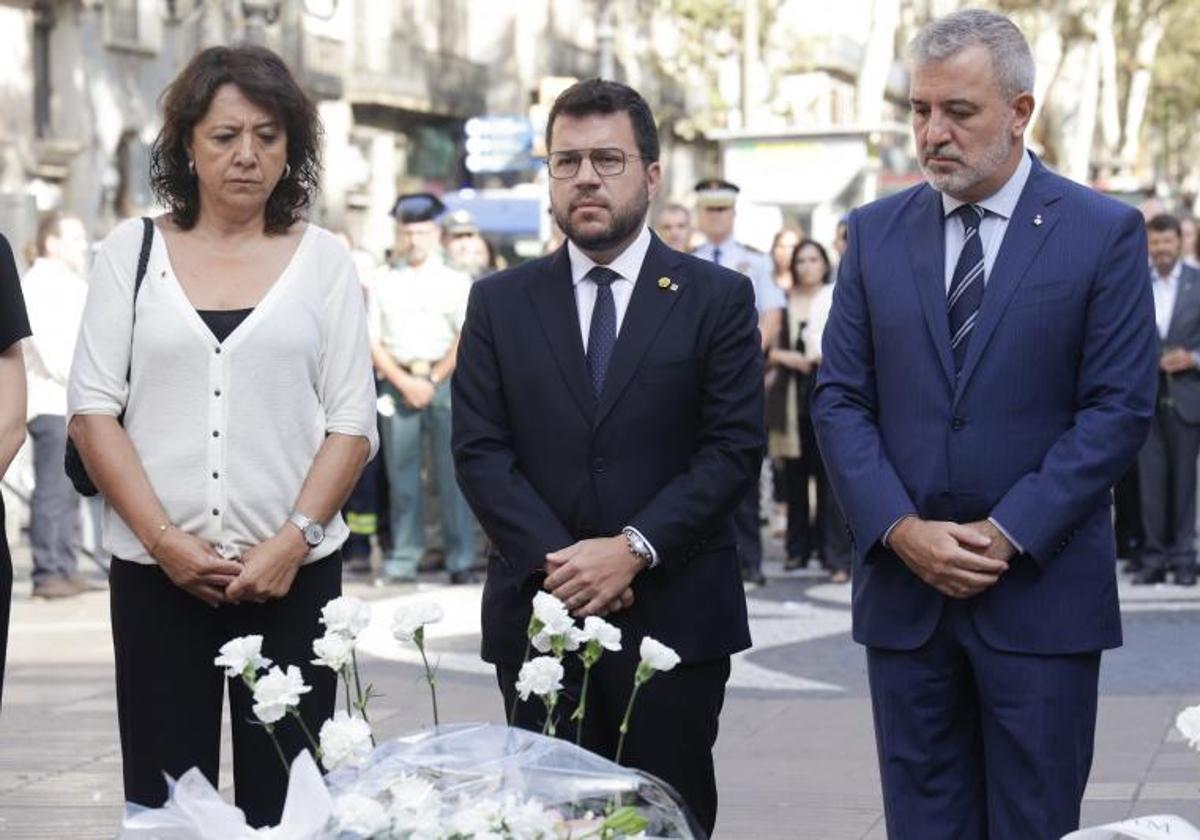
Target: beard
626 221
962 180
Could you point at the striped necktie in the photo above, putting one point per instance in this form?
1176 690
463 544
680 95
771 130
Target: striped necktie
602 334
966 286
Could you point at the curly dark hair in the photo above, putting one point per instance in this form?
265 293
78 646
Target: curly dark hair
265 80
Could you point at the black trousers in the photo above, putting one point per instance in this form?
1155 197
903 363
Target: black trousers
169 693
672 731
1167 479
1127 501
822 530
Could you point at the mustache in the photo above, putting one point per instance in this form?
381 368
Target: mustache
588 198
943 151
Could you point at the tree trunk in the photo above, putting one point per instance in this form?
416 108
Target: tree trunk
878 52
1149 36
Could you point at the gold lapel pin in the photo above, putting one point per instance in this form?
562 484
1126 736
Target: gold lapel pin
664 282
1037 220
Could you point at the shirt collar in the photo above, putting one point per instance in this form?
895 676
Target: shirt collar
1002 202
1172 278
628 263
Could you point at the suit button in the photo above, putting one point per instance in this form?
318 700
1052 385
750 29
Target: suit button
957 423
597 465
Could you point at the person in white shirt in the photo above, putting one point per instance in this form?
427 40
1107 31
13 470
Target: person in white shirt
416 315
54 291
243 369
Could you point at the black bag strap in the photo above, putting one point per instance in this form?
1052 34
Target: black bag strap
143 261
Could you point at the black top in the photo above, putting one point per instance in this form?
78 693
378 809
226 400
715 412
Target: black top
223 321
14 323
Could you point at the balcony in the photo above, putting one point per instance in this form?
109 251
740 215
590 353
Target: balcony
417 79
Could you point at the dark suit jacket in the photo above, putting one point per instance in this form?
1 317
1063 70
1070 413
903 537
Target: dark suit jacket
1184 331
670 447
1049 411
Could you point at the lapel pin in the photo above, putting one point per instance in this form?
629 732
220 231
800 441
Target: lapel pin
674 287
1037 220
664 282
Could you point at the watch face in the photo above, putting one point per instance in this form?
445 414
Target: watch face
314 534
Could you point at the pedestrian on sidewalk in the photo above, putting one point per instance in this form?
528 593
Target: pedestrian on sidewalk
14 326
249 411
55 291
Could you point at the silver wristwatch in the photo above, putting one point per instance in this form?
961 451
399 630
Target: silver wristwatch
638 545
313 531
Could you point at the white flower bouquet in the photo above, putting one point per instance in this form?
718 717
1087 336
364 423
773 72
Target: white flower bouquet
452 782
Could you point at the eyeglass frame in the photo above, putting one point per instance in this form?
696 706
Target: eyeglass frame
625 156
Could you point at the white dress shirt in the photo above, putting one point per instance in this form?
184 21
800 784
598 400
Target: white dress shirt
54 299
1166 289
628 264
999 206
226 431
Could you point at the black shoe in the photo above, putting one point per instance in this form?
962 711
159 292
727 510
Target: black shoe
464 577
1148 576
1185 577
755 578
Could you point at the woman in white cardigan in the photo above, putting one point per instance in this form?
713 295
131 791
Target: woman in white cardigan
249 411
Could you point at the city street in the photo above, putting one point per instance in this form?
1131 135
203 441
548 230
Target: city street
795 757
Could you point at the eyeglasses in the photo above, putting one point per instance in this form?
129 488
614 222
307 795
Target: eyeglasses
607 163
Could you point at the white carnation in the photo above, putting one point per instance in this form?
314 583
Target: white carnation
242 656
333 650
541 676
1188 724
657 655
360 815
528 820
595 627
345 741
543 642
278 691
552 613
346 615
412 617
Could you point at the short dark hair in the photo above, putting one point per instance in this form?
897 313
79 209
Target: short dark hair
1164 222
600 96
264 79
810 243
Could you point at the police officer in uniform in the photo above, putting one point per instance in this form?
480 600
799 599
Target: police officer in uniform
415 314
715 213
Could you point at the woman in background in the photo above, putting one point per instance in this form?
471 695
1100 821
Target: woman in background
820 530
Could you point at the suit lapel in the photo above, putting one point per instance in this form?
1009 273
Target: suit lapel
1032 221
648 308
925 226
553 297
1187 288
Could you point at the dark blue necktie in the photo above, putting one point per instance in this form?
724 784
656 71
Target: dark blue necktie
966 286
602 335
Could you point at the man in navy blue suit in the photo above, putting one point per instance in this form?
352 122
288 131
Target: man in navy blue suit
987 376
608 405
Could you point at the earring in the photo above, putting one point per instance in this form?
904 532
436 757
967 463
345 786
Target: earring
287 171
191 166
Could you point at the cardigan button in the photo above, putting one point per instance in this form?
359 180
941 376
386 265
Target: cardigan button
216 433
216 512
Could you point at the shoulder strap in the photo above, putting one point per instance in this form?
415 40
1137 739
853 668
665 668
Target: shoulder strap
143 261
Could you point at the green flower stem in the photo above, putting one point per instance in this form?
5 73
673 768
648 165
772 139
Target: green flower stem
278 750
581 709
361 702
345 675
637 684
419 638
295 712
551 700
